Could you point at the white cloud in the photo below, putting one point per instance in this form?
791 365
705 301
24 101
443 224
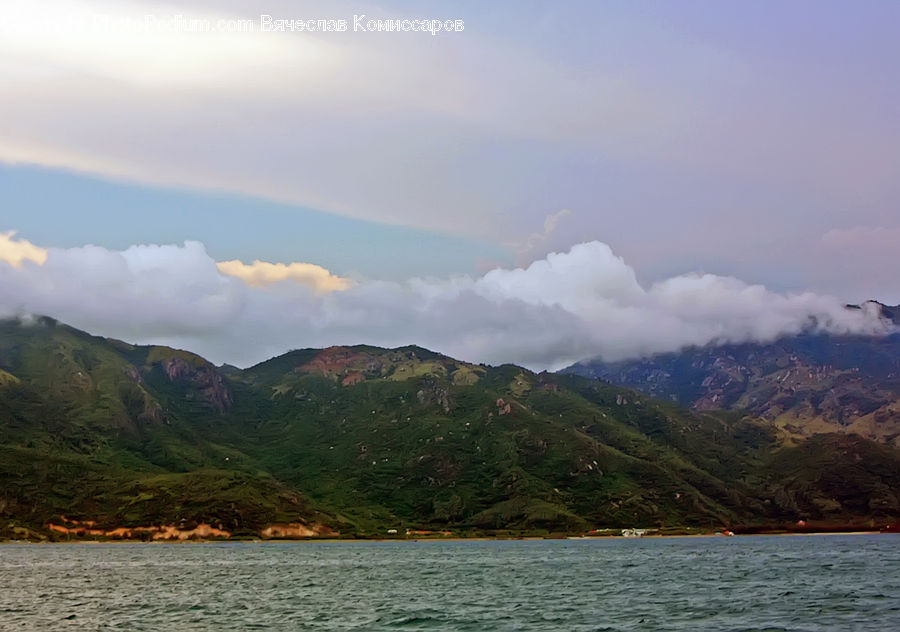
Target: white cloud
262 273
140 43
15 251
558 310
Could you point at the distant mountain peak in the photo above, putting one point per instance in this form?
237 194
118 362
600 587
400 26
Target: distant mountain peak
889 312
804 384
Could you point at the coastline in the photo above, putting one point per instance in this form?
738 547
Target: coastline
533 538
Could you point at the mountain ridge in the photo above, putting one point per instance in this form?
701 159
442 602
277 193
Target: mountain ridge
804 384
358 440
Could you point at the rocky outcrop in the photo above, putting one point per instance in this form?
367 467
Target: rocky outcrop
203 531
139 404
805 384
352 379
434 393
296 530
340 361
87 528
204 380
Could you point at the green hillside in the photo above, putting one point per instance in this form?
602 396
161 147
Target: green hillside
359 440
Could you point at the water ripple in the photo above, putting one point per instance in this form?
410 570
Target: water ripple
794 584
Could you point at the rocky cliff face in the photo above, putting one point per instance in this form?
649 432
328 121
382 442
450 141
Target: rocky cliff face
804 384
204 380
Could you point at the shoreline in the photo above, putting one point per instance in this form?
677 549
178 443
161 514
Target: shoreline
438 539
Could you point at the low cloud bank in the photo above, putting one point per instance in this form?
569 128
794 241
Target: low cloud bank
569 306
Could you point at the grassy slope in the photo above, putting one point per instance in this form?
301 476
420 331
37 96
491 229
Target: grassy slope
90 435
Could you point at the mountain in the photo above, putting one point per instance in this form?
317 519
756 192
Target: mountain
100 437
803 385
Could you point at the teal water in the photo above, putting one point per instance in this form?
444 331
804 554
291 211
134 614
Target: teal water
848 582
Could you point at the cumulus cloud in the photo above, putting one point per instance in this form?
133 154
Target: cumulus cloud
262 273
15 251
566 307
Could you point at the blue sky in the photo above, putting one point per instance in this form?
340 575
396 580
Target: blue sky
751 142
66 209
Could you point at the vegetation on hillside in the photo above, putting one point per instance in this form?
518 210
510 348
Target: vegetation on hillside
363 439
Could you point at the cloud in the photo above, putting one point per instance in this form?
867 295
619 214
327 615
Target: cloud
560 309
156 44
333 121
262 273
15 251
528 247
686 147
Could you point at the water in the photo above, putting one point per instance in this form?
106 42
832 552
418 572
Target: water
849 582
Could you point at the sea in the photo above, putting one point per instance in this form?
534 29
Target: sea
809 583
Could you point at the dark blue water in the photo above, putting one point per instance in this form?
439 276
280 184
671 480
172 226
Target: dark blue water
813 583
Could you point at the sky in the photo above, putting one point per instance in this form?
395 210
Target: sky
553 181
